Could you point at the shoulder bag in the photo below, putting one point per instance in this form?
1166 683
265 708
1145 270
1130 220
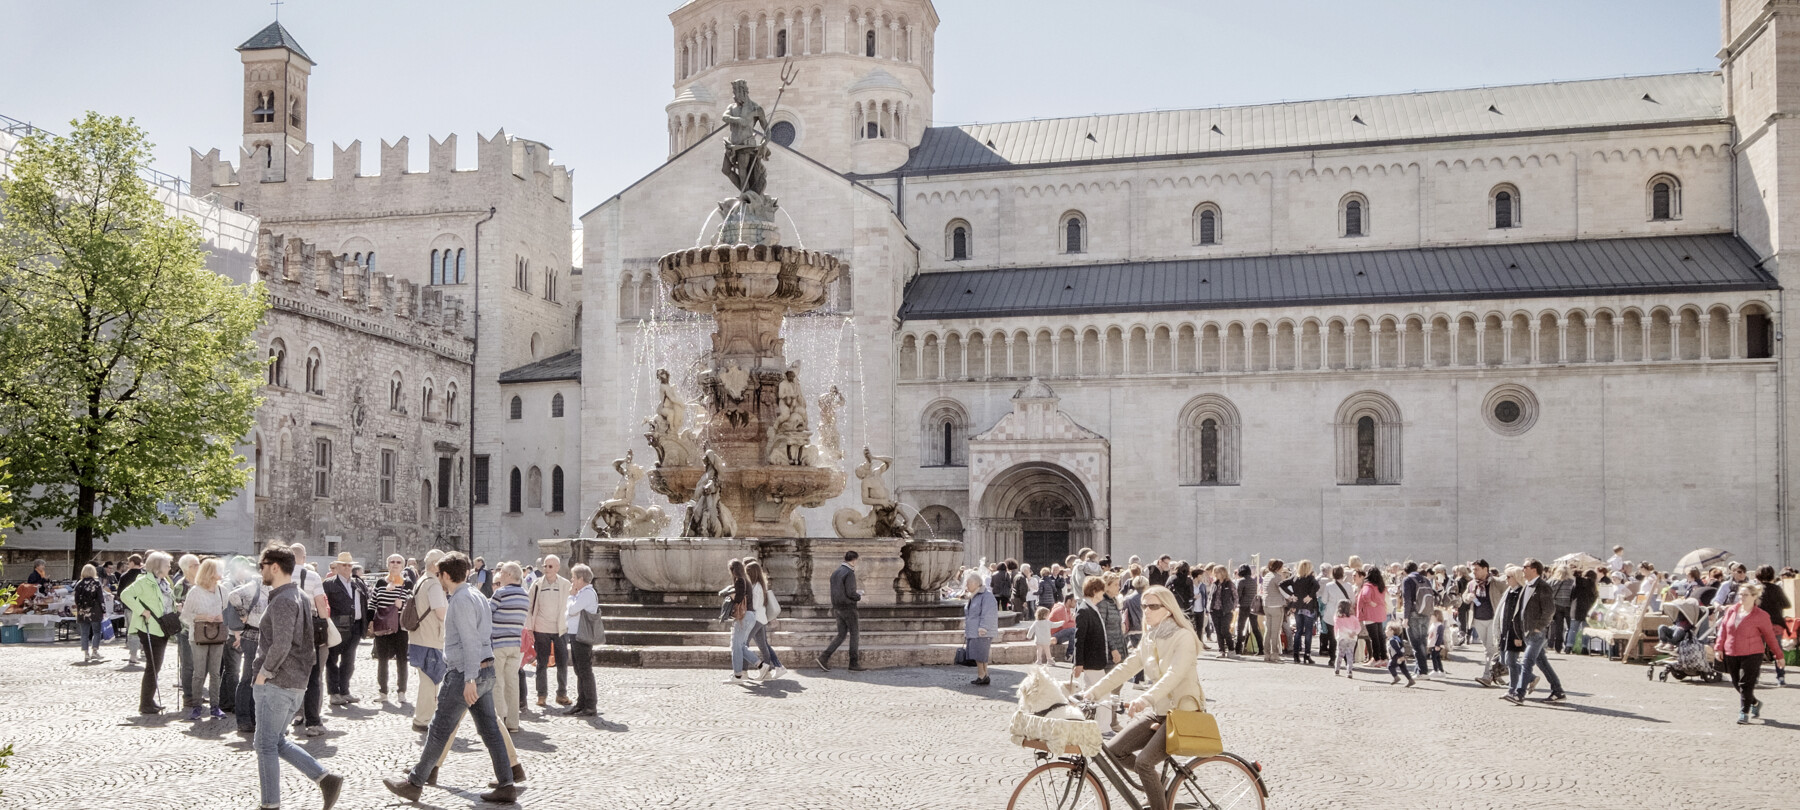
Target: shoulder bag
171 624
591 629
388 617
1191 733
411 618
209 633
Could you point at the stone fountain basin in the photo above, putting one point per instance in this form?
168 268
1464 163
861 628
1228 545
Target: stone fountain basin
681 564
720 274
807 486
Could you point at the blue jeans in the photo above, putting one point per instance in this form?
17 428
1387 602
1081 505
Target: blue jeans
741 656
1417 630
1305 622
1520 662
450 710
275 708
246 687
90 636
759 635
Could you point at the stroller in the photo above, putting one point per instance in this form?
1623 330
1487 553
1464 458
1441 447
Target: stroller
1690 659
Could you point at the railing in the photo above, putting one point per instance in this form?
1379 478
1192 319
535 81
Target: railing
14 126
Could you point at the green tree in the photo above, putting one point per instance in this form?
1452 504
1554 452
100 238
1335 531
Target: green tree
128 372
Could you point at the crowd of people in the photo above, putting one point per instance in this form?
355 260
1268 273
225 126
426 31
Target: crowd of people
271 640
1403 618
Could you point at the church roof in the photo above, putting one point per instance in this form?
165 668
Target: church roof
272 37
877 79
565 366
1627 103
1658 264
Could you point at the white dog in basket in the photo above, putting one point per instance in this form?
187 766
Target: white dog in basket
1046 713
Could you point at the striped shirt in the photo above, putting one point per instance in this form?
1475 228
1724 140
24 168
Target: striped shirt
510 605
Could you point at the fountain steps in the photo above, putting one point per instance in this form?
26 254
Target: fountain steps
815 636
875 655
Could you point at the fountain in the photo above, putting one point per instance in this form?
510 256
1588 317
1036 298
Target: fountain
743 458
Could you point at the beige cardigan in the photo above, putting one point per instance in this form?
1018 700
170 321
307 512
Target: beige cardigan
1171 657
429 596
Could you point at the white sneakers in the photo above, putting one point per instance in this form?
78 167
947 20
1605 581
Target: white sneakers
779 673
762 672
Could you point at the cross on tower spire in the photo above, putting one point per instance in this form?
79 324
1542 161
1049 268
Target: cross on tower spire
277 4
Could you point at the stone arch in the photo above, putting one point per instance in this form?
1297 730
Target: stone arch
1207 435
938 522
1368 439
944 434
1037 512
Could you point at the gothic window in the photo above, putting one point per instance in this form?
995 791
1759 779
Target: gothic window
522 274
387 476
1206 224
556 489
1353 215
550 286
277 372
516 410
869 43
783 133
1208 442
315 376
957 240
1369 449
1503 204
265 108
459 266
944 439
1074 232
294 112
394 392
321 468
450 402
1665 198
437 268
480 483
369 261
425 397
556 406
534 489
514 489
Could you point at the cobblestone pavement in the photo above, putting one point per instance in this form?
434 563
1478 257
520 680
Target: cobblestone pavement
915 738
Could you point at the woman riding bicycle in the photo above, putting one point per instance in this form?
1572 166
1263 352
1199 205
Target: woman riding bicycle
1169 653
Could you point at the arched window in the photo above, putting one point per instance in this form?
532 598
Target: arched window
944 435
425 502
315 372
1369 451
425 398
556 489
1207 224
536 342
516 409
872 130
395 388
277 372
459 266
1665 198
514 490
549 286
1208 442
369 261
437 268
556 406
450 402
1503 206
1353 215
534 489
780 51
869 43
1074 232
957 240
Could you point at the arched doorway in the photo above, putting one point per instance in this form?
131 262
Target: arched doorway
1037 513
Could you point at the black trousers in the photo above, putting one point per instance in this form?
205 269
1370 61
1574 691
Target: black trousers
153 658
314 702
246 696
541 645
1221 623
846 628
1327 643
340 663
583 659
1377 646
1254 622
228 677
1744 670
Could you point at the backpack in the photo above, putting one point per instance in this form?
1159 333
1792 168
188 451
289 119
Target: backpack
1001 583
1427 598
410 619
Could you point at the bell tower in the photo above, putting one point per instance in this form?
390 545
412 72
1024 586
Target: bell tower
275 103
864 94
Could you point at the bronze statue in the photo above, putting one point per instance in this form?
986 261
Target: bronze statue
745 148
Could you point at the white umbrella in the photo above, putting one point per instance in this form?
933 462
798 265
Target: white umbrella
1703 558
1580 560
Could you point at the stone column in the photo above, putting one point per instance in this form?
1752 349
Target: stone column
1644 353
806 36
912 44
893 41
1426 328
940 374
1562 339
1100 361
1705 328
1374 345
1055 354
1737 343
1506 332
1618 352
1590 341
1533 356
1481 343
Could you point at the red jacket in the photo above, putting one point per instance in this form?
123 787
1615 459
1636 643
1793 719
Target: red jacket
1371 604
1743 633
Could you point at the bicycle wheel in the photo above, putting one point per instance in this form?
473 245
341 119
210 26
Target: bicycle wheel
1058 786
1216 783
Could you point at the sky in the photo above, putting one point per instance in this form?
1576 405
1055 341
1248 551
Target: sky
590 78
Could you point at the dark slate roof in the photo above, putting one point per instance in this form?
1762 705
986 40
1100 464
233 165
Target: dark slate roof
1679 99
565 366
1659 264
272 37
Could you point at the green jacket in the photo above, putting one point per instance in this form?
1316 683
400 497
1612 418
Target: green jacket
145 593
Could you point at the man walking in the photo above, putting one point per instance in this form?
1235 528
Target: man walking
244 609
313 586
1527 635
468 687
346 599
1159 573
1419 599
284 663
844 596
1485 593
548 619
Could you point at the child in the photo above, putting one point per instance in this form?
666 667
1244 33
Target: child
1436 640
1396 644
1040 635
1347 629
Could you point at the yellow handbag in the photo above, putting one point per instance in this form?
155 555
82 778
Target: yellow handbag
1192 733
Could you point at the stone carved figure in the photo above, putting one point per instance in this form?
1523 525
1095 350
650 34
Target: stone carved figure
883 518
790 438
708 516
675 445
745 147
620 516
831 448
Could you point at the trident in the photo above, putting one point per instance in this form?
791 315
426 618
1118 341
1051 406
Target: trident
788 73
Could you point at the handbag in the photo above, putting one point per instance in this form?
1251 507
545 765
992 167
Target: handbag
1192 733
332 636
170 623
527 648
387 617
591 629
209 633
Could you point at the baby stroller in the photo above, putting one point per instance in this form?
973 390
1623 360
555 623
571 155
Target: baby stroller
1690 659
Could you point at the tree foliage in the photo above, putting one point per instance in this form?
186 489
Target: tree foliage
128 372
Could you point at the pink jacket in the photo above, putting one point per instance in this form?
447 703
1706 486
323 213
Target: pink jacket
1745 633
1371 605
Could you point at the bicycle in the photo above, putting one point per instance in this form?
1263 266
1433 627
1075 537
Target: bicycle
1223 781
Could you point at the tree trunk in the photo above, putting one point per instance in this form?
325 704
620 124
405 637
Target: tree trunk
84 528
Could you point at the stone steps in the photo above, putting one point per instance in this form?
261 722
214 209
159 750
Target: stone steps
874 655
785 624
810 637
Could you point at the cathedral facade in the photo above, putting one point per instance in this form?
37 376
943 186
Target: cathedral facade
1495 322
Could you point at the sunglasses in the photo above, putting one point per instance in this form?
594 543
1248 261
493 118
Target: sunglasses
1154 606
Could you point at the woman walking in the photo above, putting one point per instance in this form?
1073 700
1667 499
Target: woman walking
147 600
1371 608
981 624
1562 586
1583 595
392 594
762 597
1221 601
1744 634
1303 589
743 617
204 608
1249 611
1169 653
425 646
90 611
1331 593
